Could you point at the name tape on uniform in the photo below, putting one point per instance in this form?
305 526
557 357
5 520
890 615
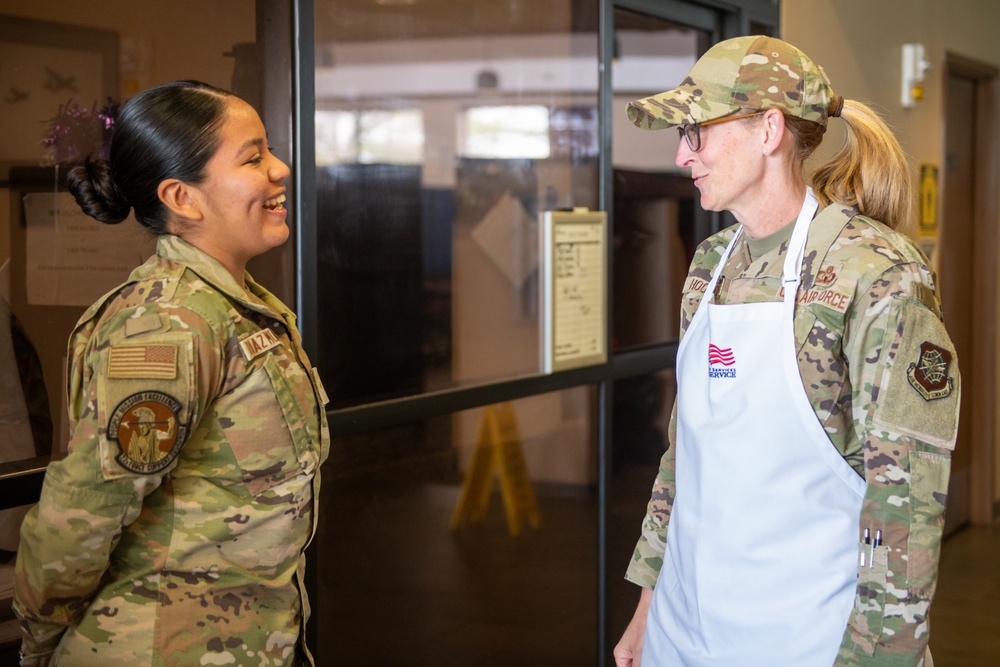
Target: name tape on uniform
257 344
830 298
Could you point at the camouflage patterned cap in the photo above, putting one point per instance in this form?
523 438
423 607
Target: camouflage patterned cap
742 73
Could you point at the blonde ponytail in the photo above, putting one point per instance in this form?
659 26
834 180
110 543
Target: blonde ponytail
870 171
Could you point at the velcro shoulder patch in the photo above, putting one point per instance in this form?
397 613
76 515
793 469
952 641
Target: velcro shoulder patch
919 395
140 325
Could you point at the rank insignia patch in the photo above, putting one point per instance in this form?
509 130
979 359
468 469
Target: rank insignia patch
147 431
929 375
826 277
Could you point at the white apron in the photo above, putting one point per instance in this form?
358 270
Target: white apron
762 546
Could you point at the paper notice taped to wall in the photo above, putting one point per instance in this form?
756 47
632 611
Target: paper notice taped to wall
72 259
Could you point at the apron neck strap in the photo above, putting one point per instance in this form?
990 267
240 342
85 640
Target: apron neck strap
796 245
791 274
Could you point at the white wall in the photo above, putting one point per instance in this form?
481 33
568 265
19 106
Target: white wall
858 43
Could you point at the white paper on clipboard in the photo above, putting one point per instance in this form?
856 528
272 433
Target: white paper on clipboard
574 289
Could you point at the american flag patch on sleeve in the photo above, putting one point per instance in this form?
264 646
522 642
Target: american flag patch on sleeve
143 361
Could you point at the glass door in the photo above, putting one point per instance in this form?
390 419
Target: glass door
440 136
460 535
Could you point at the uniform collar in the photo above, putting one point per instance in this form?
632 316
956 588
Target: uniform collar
209 269
826 227
824 231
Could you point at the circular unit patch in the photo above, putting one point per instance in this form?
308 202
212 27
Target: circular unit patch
146 429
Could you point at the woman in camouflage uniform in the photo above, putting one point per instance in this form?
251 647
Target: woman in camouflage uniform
173 532
797 515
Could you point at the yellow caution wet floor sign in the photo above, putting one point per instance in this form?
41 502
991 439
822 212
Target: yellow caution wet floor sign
498 453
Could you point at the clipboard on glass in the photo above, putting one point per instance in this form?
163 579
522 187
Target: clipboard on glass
574 283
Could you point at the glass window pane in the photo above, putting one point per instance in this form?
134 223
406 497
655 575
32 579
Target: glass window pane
433 562
510 131
336 137
641 419
389 136
441 136
654 200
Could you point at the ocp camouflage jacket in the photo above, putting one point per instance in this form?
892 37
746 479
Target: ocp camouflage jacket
173 531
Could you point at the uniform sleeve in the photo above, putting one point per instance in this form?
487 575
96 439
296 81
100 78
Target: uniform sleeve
134 400
647 559
905 401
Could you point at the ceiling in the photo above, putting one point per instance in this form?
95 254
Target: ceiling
368 20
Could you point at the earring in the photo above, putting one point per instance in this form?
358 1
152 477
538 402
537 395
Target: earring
765 151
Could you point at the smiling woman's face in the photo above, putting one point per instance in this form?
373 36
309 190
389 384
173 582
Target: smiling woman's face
726 170
242 196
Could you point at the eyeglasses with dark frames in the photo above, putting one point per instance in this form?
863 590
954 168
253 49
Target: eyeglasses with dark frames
692 131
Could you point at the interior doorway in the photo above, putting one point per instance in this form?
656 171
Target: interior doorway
968 279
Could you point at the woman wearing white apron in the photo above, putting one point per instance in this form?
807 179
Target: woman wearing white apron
797 516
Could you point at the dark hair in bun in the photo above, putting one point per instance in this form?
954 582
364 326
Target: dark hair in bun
169 131
94 189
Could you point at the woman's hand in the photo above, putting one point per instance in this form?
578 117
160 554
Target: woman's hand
628 652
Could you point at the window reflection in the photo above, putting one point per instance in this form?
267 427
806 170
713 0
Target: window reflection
429 551
507 131
440 139
25 414
654 201
376 136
